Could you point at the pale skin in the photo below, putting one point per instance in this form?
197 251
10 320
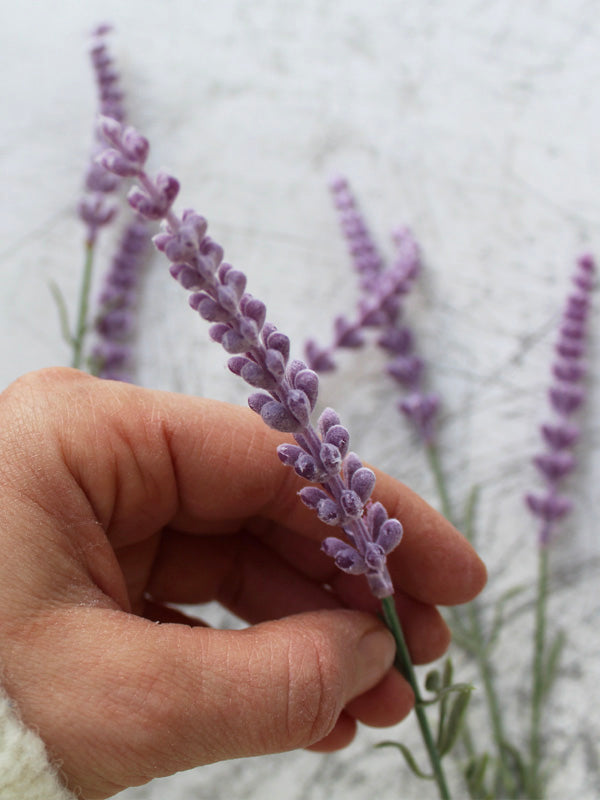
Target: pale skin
116 502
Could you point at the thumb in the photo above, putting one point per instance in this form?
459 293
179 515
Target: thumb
140 700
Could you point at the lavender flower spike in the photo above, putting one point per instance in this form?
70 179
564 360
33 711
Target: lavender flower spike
111 356
94 208
566 395
260 354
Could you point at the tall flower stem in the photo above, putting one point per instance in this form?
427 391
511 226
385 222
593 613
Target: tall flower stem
405 666
82 326
433 458
534 787
478 646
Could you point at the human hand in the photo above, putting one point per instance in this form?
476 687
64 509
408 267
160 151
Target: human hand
115 502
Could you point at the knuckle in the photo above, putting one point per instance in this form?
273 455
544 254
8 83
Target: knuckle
315 693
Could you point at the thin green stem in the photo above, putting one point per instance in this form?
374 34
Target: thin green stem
84 301
477 639
433 458
404 664
537 694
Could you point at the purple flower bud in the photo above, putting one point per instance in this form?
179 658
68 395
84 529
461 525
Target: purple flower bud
345 557
258 400
275 363
376 517
566 399
227 299
145 205
234 342
218 331
351 504
548 507
327 419
352 463
277 416
289 453
329 512
561 435
255 375
311 496
408 370
207 308
569 348
114 162
167 187
134 145
396 340
318 358
306 466
331 458
338 436
299 406
555 465
236 281
95 211
189 279
569 371
363 482
183 246
253 308
346 334
374 556
280 342
308 382
237 363
390 534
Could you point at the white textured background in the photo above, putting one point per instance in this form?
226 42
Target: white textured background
474 122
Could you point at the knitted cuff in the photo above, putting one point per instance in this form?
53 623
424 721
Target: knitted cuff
25 771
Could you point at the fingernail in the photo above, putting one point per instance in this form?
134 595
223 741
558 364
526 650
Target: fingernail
375 653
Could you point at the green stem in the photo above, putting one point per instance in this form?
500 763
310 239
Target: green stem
535 787
487 678
404 664
476 632
433 457
84 301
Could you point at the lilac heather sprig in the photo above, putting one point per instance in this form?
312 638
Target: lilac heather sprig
382 291
566 396
114 324
260 354
94 208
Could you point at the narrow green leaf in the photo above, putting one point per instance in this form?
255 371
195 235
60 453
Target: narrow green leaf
552 661
63 313
410 759
472 500
454 721
448 672
499 612
475 771
514 761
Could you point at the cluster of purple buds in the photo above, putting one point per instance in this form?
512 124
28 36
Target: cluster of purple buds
566 396
260 354
114 324
94 208
379 307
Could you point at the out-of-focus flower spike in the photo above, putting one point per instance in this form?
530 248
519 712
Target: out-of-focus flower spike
115 321
566 395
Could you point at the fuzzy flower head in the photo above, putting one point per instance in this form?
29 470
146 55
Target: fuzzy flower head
566 396
260 355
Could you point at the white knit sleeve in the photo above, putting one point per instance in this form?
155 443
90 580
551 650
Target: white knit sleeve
25 772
